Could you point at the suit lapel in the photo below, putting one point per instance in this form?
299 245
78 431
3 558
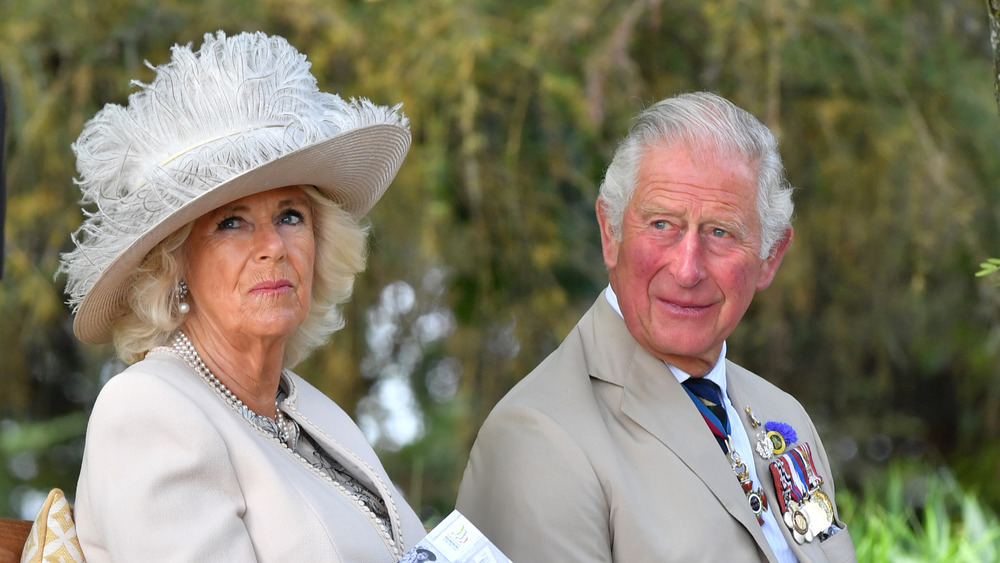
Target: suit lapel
654 400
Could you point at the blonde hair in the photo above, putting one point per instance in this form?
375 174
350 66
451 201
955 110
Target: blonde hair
153 317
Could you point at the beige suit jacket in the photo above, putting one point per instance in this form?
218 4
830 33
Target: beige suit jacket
599 455
171 473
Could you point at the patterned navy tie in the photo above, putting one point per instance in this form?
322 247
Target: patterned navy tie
708 397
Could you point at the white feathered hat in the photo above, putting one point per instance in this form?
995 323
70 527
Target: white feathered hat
240 116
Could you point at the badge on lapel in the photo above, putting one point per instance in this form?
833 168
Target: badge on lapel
772 438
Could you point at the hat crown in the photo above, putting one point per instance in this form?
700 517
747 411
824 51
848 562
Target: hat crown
206 116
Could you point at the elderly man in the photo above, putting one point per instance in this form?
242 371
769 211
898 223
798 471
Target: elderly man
637 440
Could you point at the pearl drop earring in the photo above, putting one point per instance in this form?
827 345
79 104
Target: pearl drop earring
182 291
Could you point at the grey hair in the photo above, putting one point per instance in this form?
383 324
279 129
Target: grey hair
152 316
701 120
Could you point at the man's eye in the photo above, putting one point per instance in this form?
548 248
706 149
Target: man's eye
719 233
661 225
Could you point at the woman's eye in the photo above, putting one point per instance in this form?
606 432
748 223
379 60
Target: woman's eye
230 223
291 217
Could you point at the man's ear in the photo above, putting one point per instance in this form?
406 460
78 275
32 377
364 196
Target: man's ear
769 267
609 242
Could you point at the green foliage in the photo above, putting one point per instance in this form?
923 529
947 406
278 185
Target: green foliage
914 513
990 266
888 126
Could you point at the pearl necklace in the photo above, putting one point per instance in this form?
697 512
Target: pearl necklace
286 432
280 428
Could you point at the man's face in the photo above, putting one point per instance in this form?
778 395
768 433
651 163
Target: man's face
687 265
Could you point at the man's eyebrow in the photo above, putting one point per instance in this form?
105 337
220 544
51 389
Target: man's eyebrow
648 209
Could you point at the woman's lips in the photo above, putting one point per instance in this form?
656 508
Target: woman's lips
272 286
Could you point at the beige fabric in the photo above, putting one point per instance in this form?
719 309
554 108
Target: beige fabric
53 535
599 455
170 472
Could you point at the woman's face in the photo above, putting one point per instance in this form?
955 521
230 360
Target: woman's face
249 266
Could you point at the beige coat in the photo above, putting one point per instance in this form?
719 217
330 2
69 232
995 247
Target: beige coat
171 473
599 455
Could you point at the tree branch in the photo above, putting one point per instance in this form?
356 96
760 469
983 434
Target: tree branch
993 7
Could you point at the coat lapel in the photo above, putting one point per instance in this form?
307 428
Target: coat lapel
654 400
359 468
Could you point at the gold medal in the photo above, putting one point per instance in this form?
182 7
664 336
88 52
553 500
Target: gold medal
817 518
777 442
824 502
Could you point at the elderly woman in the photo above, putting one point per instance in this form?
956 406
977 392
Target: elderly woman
223 240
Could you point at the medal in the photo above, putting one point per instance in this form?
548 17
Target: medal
806 520
773 438
820 498
755 497
805 508
756 500
777 442
765 448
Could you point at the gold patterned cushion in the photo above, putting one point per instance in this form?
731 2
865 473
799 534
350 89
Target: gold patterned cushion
53 535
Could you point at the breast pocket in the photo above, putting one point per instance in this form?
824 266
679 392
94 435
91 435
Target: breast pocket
839 548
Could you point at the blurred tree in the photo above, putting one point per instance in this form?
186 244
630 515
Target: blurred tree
3 177
993 11
485 250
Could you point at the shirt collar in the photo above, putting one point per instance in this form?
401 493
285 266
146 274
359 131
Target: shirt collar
718 373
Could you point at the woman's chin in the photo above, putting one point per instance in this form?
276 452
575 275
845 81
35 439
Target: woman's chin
274 325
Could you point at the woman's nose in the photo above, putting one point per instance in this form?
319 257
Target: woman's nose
269 243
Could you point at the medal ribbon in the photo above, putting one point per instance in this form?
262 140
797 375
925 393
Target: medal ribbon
798 477
781 472
795 475
805 468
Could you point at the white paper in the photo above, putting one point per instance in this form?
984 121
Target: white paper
455 540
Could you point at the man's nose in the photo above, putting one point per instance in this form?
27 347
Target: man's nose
688 265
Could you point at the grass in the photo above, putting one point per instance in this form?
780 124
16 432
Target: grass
911 515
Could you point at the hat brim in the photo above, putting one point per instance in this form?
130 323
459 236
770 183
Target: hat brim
353 169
